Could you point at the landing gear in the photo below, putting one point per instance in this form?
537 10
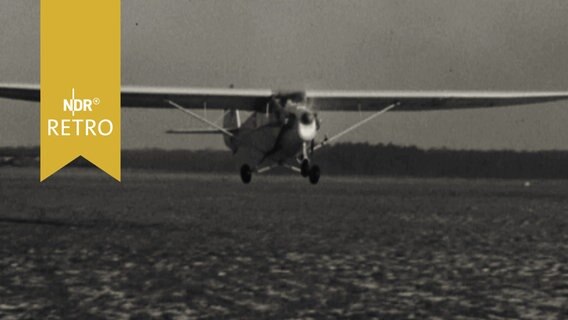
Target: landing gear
305 168
314 174
311 172
246 174
307 171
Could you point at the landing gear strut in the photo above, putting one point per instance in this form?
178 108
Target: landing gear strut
246 174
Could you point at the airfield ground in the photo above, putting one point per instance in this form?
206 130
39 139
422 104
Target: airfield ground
184 246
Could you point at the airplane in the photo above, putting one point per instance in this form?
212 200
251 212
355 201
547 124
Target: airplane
282 127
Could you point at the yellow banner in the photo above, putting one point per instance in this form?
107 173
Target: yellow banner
80 84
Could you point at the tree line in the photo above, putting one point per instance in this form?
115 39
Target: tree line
355 159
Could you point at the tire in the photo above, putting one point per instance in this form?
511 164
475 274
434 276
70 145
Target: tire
246 174
314 174
305 168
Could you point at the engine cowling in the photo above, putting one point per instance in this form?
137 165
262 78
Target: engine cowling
307 126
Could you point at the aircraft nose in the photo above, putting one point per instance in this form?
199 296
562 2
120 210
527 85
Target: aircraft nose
307 118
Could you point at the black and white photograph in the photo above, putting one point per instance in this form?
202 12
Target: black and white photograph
299 159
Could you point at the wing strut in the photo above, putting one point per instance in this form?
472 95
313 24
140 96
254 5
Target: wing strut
327 140
200 118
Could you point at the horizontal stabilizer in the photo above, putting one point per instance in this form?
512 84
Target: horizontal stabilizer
194 131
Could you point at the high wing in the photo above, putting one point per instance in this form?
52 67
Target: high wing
157 97
195 98
424 100
256 100
26 92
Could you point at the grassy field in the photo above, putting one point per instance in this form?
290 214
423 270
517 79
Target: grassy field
185 246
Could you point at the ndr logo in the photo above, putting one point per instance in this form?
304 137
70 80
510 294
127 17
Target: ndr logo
79 105
79 127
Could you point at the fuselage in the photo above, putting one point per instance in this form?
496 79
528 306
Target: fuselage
279 134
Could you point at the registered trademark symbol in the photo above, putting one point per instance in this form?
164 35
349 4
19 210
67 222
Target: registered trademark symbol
96 101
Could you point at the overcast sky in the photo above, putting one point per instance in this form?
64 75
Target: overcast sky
379 45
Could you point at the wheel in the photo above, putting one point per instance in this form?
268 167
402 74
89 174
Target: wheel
314 175
305 168
246 174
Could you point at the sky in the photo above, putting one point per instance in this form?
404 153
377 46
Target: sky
326 44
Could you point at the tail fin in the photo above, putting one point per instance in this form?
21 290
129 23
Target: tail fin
231 121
